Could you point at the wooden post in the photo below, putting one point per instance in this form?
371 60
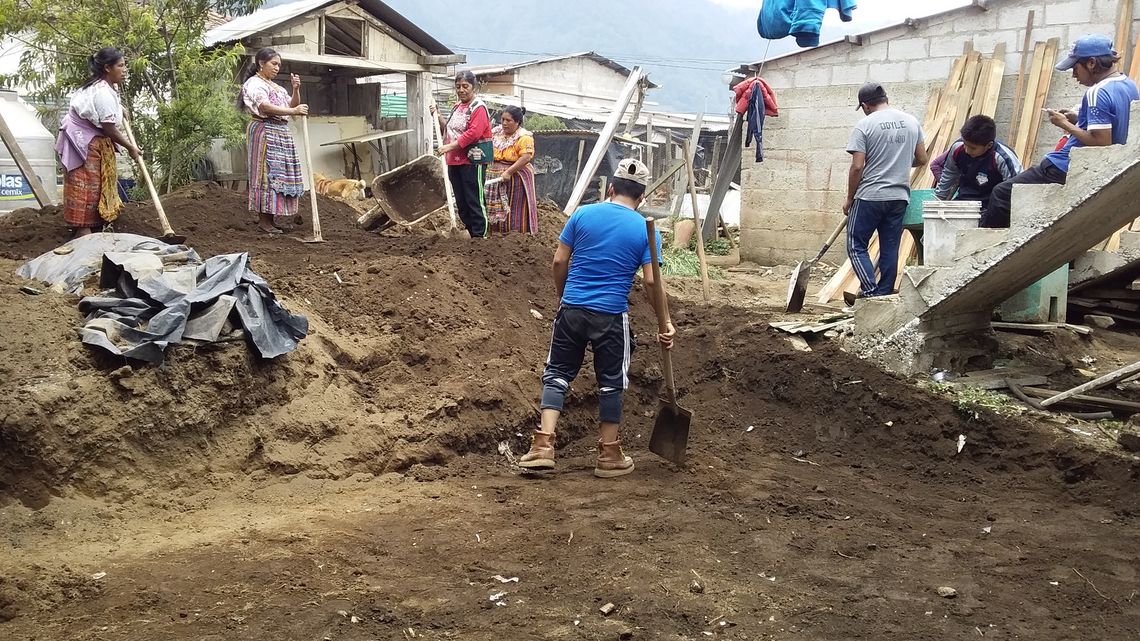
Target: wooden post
1107 379
636 110
649 139
602 188
17 153
690 153
604 139
419 119
714 168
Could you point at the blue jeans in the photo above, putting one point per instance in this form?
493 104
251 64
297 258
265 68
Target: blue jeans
865 218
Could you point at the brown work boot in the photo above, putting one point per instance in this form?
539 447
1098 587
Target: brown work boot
612 461
541 454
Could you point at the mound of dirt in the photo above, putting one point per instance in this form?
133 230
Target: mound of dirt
426 348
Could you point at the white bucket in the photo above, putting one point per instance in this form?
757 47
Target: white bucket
940 226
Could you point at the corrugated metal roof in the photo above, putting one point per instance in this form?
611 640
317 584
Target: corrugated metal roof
265 19
393 106
494 70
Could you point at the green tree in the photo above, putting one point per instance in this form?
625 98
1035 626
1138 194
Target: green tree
179 95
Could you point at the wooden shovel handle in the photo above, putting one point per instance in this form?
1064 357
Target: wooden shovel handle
661 305
167 230
831 240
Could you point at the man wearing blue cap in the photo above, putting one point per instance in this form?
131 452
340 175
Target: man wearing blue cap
1101 121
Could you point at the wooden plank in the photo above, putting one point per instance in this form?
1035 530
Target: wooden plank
730 162
1107 379
994 72
690 154
1081 399
1043 85
1019 92
604 138
1123 41
1040 327
25 166
628 131
1134 67
1021 143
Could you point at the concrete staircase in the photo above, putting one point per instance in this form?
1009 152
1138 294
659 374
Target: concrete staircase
941 316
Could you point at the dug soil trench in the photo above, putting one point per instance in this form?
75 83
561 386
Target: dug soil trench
360 487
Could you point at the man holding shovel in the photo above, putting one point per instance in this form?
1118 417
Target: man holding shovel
883 147
599 252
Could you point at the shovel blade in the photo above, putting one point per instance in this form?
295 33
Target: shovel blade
797 288
671 432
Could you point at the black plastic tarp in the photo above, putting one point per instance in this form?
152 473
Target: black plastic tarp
158 295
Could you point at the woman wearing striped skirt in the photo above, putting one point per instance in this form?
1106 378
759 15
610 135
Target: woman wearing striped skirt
275 183
511 202
86 145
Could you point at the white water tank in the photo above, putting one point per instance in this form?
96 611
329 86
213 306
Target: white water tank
39 146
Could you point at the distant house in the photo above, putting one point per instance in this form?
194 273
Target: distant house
586 79
331 44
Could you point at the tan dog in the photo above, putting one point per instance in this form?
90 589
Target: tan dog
343 188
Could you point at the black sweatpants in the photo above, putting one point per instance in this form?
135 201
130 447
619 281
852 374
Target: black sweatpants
997 215
612 342
467 183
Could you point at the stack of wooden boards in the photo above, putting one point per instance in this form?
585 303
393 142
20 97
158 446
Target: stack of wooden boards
1115 294
973 87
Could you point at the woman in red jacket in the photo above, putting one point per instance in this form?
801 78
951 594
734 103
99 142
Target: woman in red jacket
467 150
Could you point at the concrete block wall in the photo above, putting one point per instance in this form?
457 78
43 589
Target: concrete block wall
793 200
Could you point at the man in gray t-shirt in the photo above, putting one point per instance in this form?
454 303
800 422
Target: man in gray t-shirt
883 147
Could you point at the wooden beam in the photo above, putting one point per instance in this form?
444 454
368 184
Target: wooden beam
274 41
604 138
17 153
1107 379
1081 399
636 110
435 61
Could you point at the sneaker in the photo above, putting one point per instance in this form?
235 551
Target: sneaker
612 461
541 454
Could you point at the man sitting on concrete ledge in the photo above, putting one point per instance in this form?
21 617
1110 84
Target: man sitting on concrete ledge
1101 121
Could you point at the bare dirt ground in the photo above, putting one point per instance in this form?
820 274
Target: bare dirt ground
355 489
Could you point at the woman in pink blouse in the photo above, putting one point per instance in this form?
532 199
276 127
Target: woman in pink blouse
275 182
467 149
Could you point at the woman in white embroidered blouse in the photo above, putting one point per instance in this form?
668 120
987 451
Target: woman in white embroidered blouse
275 183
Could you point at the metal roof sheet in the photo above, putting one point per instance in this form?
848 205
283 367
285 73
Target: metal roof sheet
265 19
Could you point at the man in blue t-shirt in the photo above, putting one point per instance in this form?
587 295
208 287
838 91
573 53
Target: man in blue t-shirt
1101 121
600 250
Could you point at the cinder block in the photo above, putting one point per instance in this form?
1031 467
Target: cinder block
929 69
1014 17
889 72
872 53
907 49
946 46
818 77
1067 13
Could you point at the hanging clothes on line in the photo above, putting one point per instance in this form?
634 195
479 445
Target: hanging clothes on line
755 99
799 18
